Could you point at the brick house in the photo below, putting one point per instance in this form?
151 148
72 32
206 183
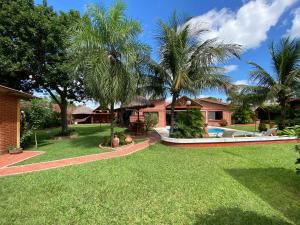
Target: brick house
213 111
10 117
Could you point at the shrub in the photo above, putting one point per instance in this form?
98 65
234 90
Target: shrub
223 123
291 131
262 126
150 120
243 115
188 124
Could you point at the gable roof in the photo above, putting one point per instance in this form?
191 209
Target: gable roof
182 101
209 100
16 93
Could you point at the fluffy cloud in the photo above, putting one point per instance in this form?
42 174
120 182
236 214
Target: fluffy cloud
241 82
295 29
248 26
230 68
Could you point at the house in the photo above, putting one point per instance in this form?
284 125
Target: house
10 117
213 111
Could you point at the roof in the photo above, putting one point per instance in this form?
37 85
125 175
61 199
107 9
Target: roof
16 93
99 108
82 110
215 101
182 103
138 102
70 108
295 100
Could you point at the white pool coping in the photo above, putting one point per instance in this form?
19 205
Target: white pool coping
164 134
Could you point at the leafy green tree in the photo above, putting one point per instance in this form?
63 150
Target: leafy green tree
33 52
186 64
38 115
282 84
16 31
240 104
106 47
52 67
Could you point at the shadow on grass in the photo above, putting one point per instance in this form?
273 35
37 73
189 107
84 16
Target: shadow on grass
90 141
279 187
91 129
235 216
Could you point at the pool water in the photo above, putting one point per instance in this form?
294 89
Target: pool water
215 130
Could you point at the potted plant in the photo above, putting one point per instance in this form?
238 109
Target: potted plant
14 150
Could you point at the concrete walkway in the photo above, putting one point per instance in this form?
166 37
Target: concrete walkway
126 150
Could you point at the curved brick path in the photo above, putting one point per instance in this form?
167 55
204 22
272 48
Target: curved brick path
126 150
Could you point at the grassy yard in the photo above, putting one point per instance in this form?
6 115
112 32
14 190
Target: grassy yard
89 137
249 128
250 185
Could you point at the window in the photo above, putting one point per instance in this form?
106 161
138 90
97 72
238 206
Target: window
215 115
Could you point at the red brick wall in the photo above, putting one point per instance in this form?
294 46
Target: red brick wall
208 106
160 108
8 122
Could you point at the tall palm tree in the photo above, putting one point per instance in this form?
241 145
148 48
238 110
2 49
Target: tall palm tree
106 47
282 84
186 64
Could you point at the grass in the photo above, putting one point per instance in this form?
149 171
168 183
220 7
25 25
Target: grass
89 137
249 128
249 185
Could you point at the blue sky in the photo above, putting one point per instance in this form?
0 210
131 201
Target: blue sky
254 24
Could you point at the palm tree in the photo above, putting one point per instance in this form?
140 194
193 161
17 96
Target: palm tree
186 64
106 46
282 85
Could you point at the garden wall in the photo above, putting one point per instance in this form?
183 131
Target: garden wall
9 122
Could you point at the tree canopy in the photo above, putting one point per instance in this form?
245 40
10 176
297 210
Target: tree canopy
186 64
107 51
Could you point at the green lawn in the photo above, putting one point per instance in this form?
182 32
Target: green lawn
254 185
89 137
249 128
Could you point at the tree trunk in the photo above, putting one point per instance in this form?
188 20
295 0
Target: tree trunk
35 139
174 98
64 117
282 115
112 120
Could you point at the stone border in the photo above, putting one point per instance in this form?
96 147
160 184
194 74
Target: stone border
211 142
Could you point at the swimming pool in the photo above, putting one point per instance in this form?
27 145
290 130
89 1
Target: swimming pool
211 130
214 130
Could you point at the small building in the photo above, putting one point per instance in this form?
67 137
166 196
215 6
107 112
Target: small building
101 115
295 103
10 117
82 114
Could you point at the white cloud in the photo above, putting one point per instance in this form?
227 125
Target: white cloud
230 68
241 82
294 32
248 26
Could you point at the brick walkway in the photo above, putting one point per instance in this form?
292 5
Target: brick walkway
126 150
7 159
